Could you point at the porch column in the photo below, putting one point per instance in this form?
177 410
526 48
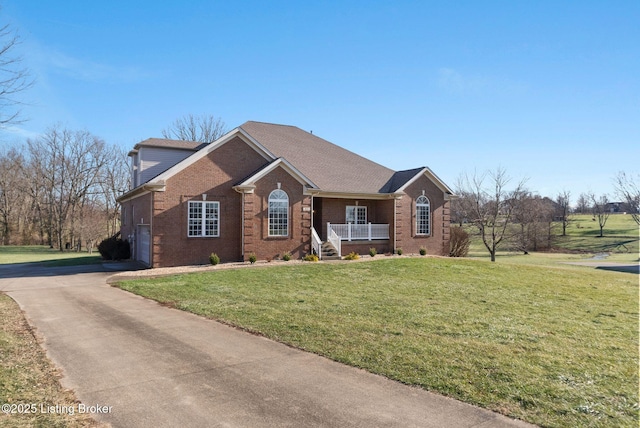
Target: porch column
307 222
397 223
446 227
247 224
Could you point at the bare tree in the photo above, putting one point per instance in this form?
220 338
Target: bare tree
92 224
600 210
583 203
534 216
14 79
11 195
492 205
204 129
462 206
628 188
114 181
563 201
66 168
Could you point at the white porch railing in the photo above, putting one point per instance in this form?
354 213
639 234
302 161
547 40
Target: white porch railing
316 243
359 232
335 240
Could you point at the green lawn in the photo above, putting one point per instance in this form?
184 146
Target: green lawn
553 345
10 254
620 241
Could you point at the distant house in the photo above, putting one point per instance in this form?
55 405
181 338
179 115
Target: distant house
269 189
614 207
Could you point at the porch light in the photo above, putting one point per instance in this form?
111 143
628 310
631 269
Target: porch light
204 196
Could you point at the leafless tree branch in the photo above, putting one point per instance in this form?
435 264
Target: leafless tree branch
204 129
628 188
14 79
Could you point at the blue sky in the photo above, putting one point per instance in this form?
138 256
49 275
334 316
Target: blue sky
548 90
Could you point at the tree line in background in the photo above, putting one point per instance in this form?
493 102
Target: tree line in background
519 219
60 190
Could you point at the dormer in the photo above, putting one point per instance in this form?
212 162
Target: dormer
155 155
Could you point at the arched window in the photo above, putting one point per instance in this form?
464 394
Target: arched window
423 216
278 213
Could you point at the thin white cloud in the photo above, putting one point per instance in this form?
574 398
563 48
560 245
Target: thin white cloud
91 71
45 60
18 132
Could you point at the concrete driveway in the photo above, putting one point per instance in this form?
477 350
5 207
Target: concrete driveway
146 365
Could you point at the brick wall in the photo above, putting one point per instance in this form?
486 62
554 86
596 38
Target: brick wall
437 243
133 213
214 175
298 240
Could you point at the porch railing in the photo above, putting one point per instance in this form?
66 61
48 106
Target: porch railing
359 232
316 243
335 241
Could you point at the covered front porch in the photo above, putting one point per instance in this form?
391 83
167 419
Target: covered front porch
343 225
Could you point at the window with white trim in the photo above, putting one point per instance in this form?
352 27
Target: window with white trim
278 213
423 216
204 219
356 214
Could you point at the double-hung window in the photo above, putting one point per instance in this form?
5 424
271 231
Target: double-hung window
278 213
423 216
204 219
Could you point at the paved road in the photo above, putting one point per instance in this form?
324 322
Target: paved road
611 266
160 367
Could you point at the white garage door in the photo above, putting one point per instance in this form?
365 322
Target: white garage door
144 247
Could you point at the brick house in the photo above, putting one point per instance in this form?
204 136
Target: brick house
269 189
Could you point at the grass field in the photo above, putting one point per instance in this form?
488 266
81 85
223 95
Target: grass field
620 241
27 377
620 237
552 345
40 253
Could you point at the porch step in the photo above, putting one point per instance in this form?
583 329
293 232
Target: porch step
329 252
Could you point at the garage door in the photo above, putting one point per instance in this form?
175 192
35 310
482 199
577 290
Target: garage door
144 247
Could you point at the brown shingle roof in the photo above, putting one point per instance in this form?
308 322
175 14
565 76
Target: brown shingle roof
331 167
170 144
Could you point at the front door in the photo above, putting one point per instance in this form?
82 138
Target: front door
356 214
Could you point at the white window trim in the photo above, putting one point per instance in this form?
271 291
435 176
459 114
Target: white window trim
356 209
428 206
269 228
203 219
